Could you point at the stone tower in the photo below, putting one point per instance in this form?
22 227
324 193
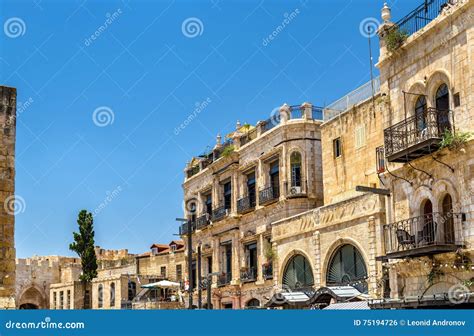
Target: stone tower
7 192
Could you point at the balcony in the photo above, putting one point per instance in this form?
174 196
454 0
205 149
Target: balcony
224 279
248 274
219 213
416 136
183 228
423 235
246 204
203 221
268 195
267 271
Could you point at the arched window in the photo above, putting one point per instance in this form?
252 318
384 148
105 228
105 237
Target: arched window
295 167
442 97
112 294
253 303
347 267
420 113
447 208
132 290
100 296
425 228
298 273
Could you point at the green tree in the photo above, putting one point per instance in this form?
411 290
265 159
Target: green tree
83 245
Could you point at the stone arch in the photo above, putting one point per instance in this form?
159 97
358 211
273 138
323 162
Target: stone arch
301 152
420 196
441 188
434 81
416 90
32 297
253 303
333 248
288 257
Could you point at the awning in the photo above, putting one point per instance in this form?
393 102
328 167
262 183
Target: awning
348 305
440 300
292 298
162 284
337 293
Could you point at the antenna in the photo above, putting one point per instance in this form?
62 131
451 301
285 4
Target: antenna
371 67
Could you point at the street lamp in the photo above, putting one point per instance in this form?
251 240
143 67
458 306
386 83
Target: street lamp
190 259
209 283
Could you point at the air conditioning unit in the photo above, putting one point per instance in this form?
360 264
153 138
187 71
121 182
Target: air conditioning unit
295 190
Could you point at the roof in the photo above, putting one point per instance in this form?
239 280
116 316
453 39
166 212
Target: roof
177 242
348 305
159 246
292 298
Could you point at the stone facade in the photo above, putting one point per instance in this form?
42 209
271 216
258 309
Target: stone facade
272 172
7 194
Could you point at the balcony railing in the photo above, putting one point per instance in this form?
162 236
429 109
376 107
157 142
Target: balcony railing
183 228
246 204
424 235
203 221
268 195
219 213
267 271
420 16
417 135
248 275
224 279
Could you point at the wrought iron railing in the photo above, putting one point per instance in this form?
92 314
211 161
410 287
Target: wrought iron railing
267 271
183 228
416 129
249 136
246 203
420 16
430 229
219 213
269 194
224 279
203 221
248 275
271 123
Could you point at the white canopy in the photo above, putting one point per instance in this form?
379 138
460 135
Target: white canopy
162 284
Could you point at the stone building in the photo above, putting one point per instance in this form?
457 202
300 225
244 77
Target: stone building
7 196
233 193
429 157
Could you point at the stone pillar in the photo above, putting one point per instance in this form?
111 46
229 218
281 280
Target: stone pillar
261 259
285 113
235 191
235 258
8 204
307 109
317 259
372 263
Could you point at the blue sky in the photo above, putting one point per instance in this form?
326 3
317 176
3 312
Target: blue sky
143 75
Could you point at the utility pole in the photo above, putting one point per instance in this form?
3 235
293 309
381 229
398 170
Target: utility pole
189 226
199 276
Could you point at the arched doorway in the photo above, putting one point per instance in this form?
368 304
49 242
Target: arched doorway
253 304
347 267
447 208
442 105
32 298
420 113
426 231
298 273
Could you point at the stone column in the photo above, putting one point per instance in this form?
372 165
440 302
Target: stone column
285 113
261 259
307 109
235 191
317 259
235 258
8 204
372 263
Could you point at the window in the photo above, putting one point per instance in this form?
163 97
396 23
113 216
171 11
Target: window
228 195
100 296
173 247
208 203
295 166
360 136
154 250
191 207
442 98
380 159
298 273
179 272
132 290
69 303
251 260
227 261
447 208
251 189
163 271
55 300
253 304
209 265
337 147
420 113
347 267
275 178
61 300
112 294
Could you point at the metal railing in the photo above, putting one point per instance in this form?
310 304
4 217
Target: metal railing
416 129
267 271
219 213
183 228
248 275
246 203
203 221
270 123
420 16
224 279
430 229
268 194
